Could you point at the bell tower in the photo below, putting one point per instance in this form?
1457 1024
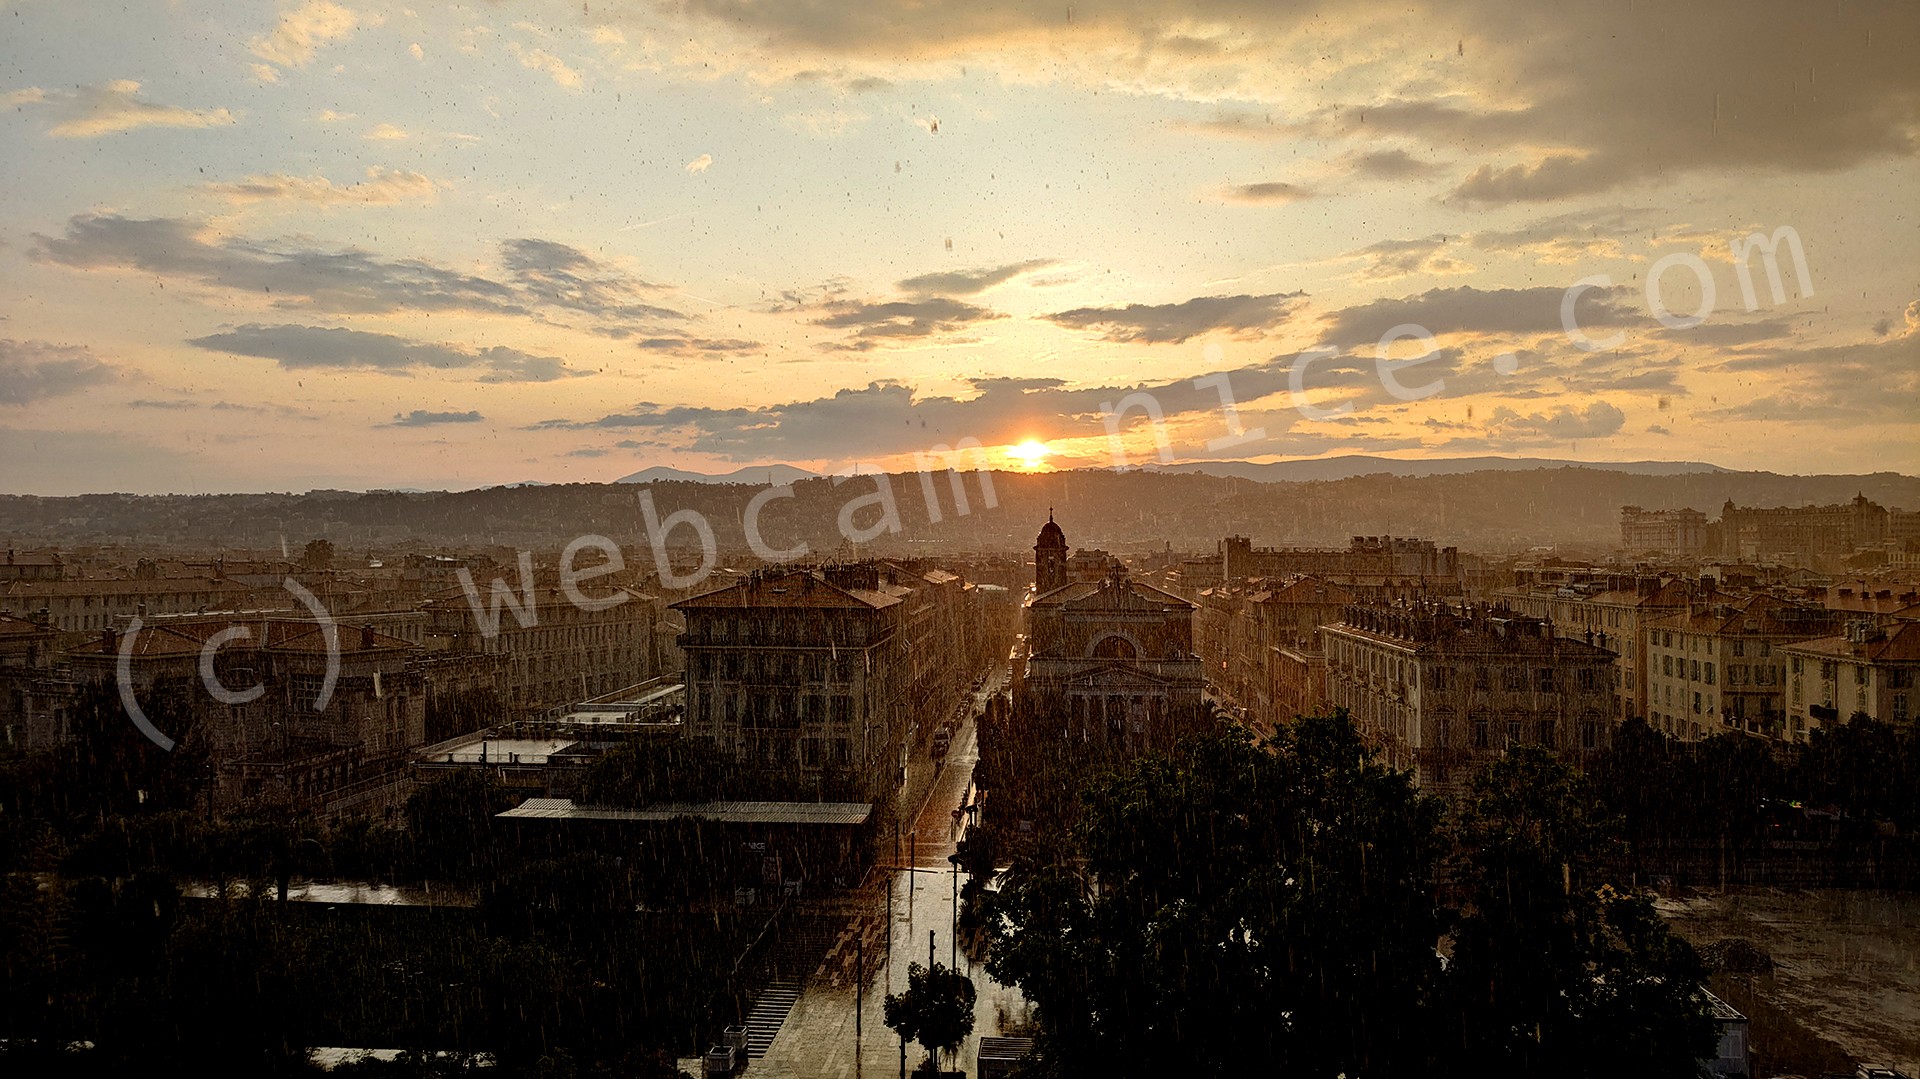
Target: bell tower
1049 557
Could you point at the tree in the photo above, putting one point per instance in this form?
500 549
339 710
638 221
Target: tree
451 822
1232 901
317 556
1553 971
936 1010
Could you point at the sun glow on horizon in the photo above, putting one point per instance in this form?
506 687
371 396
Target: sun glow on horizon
1031 454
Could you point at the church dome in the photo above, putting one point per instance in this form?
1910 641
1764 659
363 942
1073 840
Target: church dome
1050 535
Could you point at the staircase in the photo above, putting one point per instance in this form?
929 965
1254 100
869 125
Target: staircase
770 1010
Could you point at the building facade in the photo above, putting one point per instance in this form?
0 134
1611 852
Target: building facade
822 670
1810 535
1718 667
1444 691
318 722
1669 532
1614 613
1113 658
552 650
1869 670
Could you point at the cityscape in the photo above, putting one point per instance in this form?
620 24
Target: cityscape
698 540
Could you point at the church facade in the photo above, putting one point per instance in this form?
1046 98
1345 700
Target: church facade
1113 658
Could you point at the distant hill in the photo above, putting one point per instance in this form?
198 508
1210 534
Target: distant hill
1347 467
1489 510
769 474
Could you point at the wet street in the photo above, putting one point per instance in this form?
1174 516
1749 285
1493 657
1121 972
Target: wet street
821 1036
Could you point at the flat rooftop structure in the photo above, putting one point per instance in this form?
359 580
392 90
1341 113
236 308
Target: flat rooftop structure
639 709
499 751
831 813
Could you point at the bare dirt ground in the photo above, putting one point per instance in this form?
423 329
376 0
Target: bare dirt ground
1845 986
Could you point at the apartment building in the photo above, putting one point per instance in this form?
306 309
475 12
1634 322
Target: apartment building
1445 690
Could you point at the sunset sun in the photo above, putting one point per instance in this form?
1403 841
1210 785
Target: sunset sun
1031 454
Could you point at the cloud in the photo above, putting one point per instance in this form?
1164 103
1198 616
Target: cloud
548 64
114 108
1871 381
541 278
700 164
1557 176
1390 165
1269 192
417 52
31 95
1598 420
302 31
555 275
420 417
330 347
1557 101
382 186
1480 311
699 347
824 123
875 322
1389 259
1172 323
387 133
969 282
889 417
33 371
1575 237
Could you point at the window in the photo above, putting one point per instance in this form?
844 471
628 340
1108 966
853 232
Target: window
1666 666
1548 733
1696 704
1481 738
1589 734
1514 734
1695 676
1543 680
1739 647
1709 672
1437 679
1513 678
1900 714
1859 674
1766 649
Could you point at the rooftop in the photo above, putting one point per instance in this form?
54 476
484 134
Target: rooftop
722 812
490 750
796 588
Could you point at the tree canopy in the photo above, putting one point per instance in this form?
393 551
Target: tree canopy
1289 902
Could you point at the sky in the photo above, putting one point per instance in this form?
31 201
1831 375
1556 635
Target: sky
357 245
